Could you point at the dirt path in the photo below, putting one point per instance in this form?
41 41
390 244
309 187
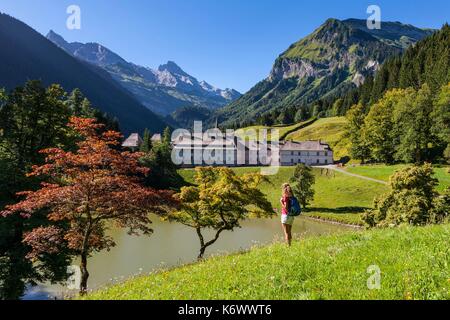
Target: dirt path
352 174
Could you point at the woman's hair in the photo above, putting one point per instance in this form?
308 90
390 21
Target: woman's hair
286 189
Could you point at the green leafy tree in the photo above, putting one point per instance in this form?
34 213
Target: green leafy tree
81 107
303 181
31 118
414 123
159 161
76 102
266 120
379 128
359 148
441 210
337 108
441 119
411 199
220 201
302 114
146 145
167 137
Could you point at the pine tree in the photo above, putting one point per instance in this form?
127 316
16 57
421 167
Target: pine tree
146 145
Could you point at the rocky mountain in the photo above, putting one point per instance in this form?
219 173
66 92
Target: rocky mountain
25 54
336 57
163 90
90 52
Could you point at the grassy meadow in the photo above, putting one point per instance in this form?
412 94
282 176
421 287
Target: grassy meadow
330 130
339 197
383 172
282 129
413 261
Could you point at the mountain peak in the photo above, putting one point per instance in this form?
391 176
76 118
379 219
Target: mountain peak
395 33
162 90
92 52
53 34
57 39
336 57
171 67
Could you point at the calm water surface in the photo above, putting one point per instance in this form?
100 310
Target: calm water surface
173 244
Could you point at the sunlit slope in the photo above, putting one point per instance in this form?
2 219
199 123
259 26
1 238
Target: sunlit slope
329 130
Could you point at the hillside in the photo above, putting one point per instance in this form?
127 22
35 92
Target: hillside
427 62
351 195
26 55
407 271
283 130
335 58
330 130
184 117
383 172
163 90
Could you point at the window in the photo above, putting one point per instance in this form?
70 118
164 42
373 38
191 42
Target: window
318 161
318 153
326 154
326 161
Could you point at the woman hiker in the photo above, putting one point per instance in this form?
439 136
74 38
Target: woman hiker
286 220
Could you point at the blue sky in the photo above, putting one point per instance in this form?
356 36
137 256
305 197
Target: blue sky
229 43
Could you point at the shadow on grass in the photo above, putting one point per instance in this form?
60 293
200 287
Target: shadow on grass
341 210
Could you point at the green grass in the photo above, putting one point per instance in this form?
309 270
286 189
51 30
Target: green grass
283 130
383 172
414 264
309 49
343 198
330 130
338 197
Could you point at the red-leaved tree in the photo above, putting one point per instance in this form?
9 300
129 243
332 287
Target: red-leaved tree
87 191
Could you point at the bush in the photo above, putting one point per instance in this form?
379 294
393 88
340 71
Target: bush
411 200
441 210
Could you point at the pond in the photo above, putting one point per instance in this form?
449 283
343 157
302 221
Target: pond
172 245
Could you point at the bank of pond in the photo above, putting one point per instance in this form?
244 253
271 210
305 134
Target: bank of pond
174 245
394 264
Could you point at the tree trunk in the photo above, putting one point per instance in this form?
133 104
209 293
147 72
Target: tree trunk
204 245
201 254
84 275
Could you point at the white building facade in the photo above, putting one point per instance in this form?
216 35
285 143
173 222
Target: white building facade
311 153
190 152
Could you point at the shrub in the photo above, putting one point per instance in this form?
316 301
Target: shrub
441 210
411 200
